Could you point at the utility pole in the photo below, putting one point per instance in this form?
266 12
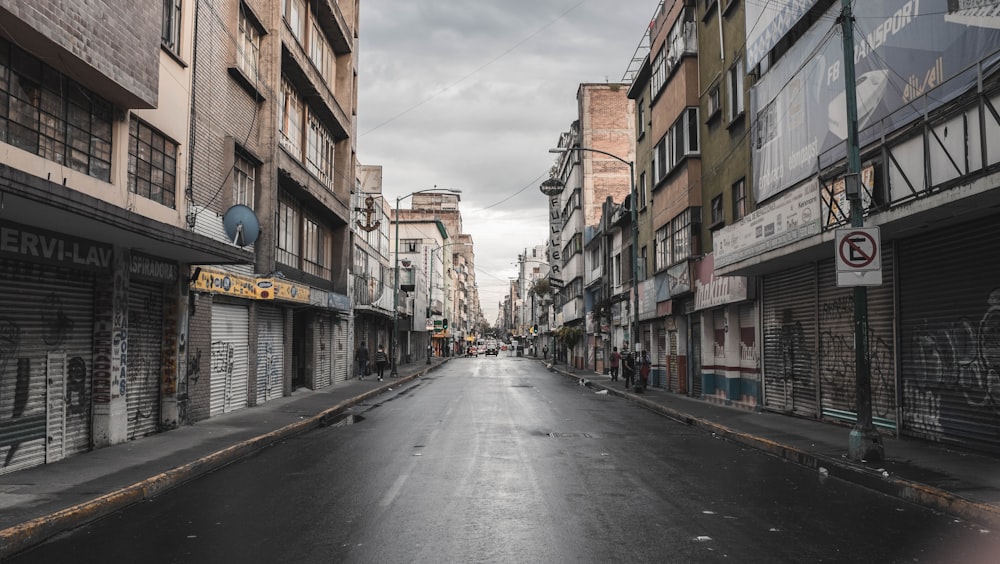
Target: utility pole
865 443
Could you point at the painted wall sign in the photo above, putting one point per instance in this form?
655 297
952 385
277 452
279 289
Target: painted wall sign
142 266
31 243
218 282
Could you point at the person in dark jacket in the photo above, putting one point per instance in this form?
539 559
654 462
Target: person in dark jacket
361 358
381 359
628 368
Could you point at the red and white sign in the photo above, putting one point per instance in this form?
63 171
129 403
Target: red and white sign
859 261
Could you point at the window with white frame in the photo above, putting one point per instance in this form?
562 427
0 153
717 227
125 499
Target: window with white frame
617 270
714 106
248 45
680 236
294 13
290 115
661 248
734 90
170 27
681 141
244 178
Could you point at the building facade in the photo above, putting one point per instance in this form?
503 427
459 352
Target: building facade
606 123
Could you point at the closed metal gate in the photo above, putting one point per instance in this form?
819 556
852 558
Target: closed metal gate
342 354
949 303
324 348
696 364
270 353
673 362
145 358
789 331
229 376
836 359
660 376
46 329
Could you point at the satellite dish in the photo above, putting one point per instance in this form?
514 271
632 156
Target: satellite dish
241 225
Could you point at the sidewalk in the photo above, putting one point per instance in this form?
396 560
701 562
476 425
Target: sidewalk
959 483
40 502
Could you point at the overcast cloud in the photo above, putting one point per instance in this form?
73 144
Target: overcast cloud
471 94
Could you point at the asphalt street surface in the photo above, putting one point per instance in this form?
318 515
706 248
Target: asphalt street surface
495 459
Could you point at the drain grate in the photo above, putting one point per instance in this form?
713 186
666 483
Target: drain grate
571 435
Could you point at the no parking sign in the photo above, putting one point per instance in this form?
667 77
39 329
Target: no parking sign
858 256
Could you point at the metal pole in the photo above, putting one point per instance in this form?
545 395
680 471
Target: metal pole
395 294
634 330
430 310
865 443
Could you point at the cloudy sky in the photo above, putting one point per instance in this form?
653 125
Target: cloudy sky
471 94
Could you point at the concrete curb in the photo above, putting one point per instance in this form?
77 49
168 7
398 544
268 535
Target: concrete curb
915 492
25 535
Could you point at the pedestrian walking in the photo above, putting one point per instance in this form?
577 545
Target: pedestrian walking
381 359
616 358
361 359
545 352
628 368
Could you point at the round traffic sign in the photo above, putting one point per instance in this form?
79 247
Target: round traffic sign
858 249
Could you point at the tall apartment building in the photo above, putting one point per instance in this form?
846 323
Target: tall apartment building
95 244
605 122
272 118
669 188
724 345
176 194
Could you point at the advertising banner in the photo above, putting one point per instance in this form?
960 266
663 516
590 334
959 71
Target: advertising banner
903 50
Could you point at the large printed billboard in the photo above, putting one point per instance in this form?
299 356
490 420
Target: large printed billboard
903 50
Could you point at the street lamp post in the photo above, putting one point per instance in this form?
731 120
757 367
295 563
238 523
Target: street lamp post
395 273
634 325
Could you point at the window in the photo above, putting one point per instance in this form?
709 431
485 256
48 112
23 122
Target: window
714 105
294 12
152 163
315 249
718 215
409 245
248 46
319 151
643 191
617 270
680 237
288 233
640 117
170 29
244 179
681 141
290 112
661 249
45 113
321 54
734 80
739 200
